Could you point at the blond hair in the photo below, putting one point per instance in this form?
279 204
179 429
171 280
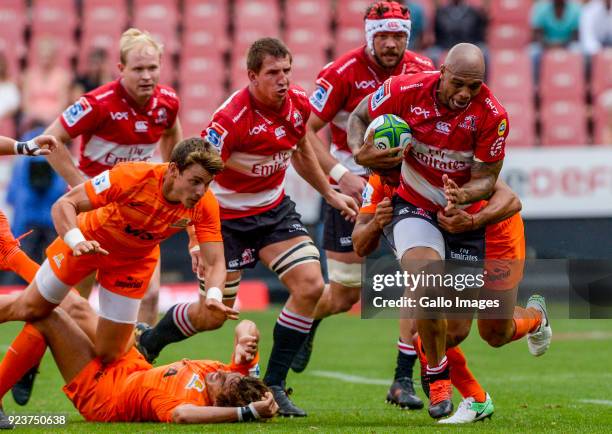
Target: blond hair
134 37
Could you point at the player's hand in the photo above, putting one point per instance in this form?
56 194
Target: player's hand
267 407
90 247
372 158
384 213
343 203
352 185
246 349
453 193
456 221
41 145
220 308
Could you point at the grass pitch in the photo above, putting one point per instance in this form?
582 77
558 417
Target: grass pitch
569 389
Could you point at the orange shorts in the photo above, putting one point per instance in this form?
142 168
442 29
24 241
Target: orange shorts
119 274
505 253
94 390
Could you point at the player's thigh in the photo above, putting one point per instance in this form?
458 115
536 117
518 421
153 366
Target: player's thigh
154 283
407 328
344 268
86 285
70 346
79 309
112 339
296 262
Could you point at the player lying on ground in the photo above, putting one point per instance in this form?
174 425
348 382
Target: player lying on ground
131 390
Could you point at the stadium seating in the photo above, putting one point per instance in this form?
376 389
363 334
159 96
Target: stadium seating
564 123
562 76
254 19
205 28
12 27
602 71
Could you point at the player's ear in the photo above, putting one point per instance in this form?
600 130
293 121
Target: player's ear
120 66
252 75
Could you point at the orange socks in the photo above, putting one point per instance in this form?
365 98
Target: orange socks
25 352
21 264
525 321
461 376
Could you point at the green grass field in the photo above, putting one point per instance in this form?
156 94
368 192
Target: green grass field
547 394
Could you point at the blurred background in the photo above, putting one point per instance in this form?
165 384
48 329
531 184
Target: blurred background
549 62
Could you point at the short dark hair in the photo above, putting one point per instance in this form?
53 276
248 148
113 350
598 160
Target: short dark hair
196 150
262 47
242 392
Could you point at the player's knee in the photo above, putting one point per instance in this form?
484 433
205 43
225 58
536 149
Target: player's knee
310 288
494 337
345 302
456 336
32 312
206 319
306 284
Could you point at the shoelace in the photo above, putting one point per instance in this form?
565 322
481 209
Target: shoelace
440 391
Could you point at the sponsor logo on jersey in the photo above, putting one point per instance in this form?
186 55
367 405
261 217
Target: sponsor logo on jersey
239 115
119 116
419 111
346 65
141 126
257 129
196 383
280 161
168 93
319 97
139 233
299 92
129 282
497 146
469 123
297 227
162 116
280 132
58 259
443 127
170 372
215 134
491 105
76 112
101 182
381 95
182 223
411 86
297 119
501 128
365 84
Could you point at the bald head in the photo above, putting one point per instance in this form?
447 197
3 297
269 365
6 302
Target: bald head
466 60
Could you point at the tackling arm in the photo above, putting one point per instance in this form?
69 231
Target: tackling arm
366 235
169 140
60 159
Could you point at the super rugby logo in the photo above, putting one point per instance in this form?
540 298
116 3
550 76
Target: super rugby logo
381 95
76 112
101 182
195 383
319 97
366 196
215 135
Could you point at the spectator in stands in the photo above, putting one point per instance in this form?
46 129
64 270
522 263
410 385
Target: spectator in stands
417 29
97 72
33 188
9 95
455 22
555 25
596 26
46 85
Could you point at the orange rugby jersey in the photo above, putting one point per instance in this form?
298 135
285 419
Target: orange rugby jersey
152 395
132 216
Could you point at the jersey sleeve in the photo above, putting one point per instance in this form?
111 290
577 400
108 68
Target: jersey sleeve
163 404
207 224
221 134
84 115
245 368
373 194
386 99
329 95
491 140
109 185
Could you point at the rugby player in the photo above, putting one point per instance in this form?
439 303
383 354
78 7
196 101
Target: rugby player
131 390
459 133
113 225
259 131
341 85
121 121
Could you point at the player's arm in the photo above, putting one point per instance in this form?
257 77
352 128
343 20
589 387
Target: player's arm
348 182
365 153
480 186
169 139
503 204
41 145
305 163
369 228
212 268
60 159
246 342
64 214
189 413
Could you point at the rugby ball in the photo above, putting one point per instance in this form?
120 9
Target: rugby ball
390 131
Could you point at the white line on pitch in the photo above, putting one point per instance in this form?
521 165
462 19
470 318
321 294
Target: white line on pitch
347 378
597 401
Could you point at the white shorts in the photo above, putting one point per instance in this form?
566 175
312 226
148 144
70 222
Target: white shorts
416 232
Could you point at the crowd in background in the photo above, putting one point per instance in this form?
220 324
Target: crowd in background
33 97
